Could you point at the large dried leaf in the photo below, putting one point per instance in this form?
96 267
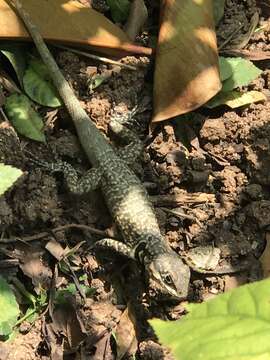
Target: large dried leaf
187 72
137 16
125 334
67 22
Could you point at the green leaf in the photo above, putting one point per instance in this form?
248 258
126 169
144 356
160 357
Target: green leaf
30 315
8 176
119 9
61 295
16 54
24 118
233 326
218 10
243 72
9 308
225 68
235 99
38 86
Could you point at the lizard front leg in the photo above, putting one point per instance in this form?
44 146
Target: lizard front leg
130 152
115 246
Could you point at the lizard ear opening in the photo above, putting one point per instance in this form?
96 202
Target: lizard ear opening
140 252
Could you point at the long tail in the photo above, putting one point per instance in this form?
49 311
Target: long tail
71 102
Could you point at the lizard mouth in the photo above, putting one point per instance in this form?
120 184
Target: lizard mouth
159 290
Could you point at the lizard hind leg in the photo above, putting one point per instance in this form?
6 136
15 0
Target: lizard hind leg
79 186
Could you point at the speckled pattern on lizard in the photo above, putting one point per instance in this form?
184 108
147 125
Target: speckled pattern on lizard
168 277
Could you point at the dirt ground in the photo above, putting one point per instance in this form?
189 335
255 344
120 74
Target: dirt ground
208 177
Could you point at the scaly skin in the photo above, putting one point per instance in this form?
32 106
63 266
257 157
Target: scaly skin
126 198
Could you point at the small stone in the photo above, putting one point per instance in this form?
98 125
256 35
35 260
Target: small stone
173 221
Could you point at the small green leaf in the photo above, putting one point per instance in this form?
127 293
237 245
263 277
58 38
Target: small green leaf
235 99
61 295
243 72
233 326
30 315
38 86
225 68
119 9
9 308
16 54
8 176
24 118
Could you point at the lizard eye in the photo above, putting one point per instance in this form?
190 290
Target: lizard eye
168 279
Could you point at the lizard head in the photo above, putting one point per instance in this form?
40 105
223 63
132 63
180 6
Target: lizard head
168 276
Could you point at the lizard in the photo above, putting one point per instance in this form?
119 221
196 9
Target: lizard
167 275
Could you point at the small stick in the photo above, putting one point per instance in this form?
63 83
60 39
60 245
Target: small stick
96 57
59 228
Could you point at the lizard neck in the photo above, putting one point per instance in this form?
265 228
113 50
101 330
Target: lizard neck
149 249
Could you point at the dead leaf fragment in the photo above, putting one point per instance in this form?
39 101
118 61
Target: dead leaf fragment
67 323
235 99
125 334
186 73
265 258
254 55
68 22
137 17
33 265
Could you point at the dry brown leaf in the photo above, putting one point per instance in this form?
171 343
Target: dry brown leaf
66 322
265 258
186 73
137 17
33 265
8 83
126 335
234 281
253 55
55 347
55 249
69 22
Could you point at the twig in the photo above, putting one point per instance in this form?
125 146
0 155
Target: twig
229 38
181 215
182 198
7 263
96 57
59 228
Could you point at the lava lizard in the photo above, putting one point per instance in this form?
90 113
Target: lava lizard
167 275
